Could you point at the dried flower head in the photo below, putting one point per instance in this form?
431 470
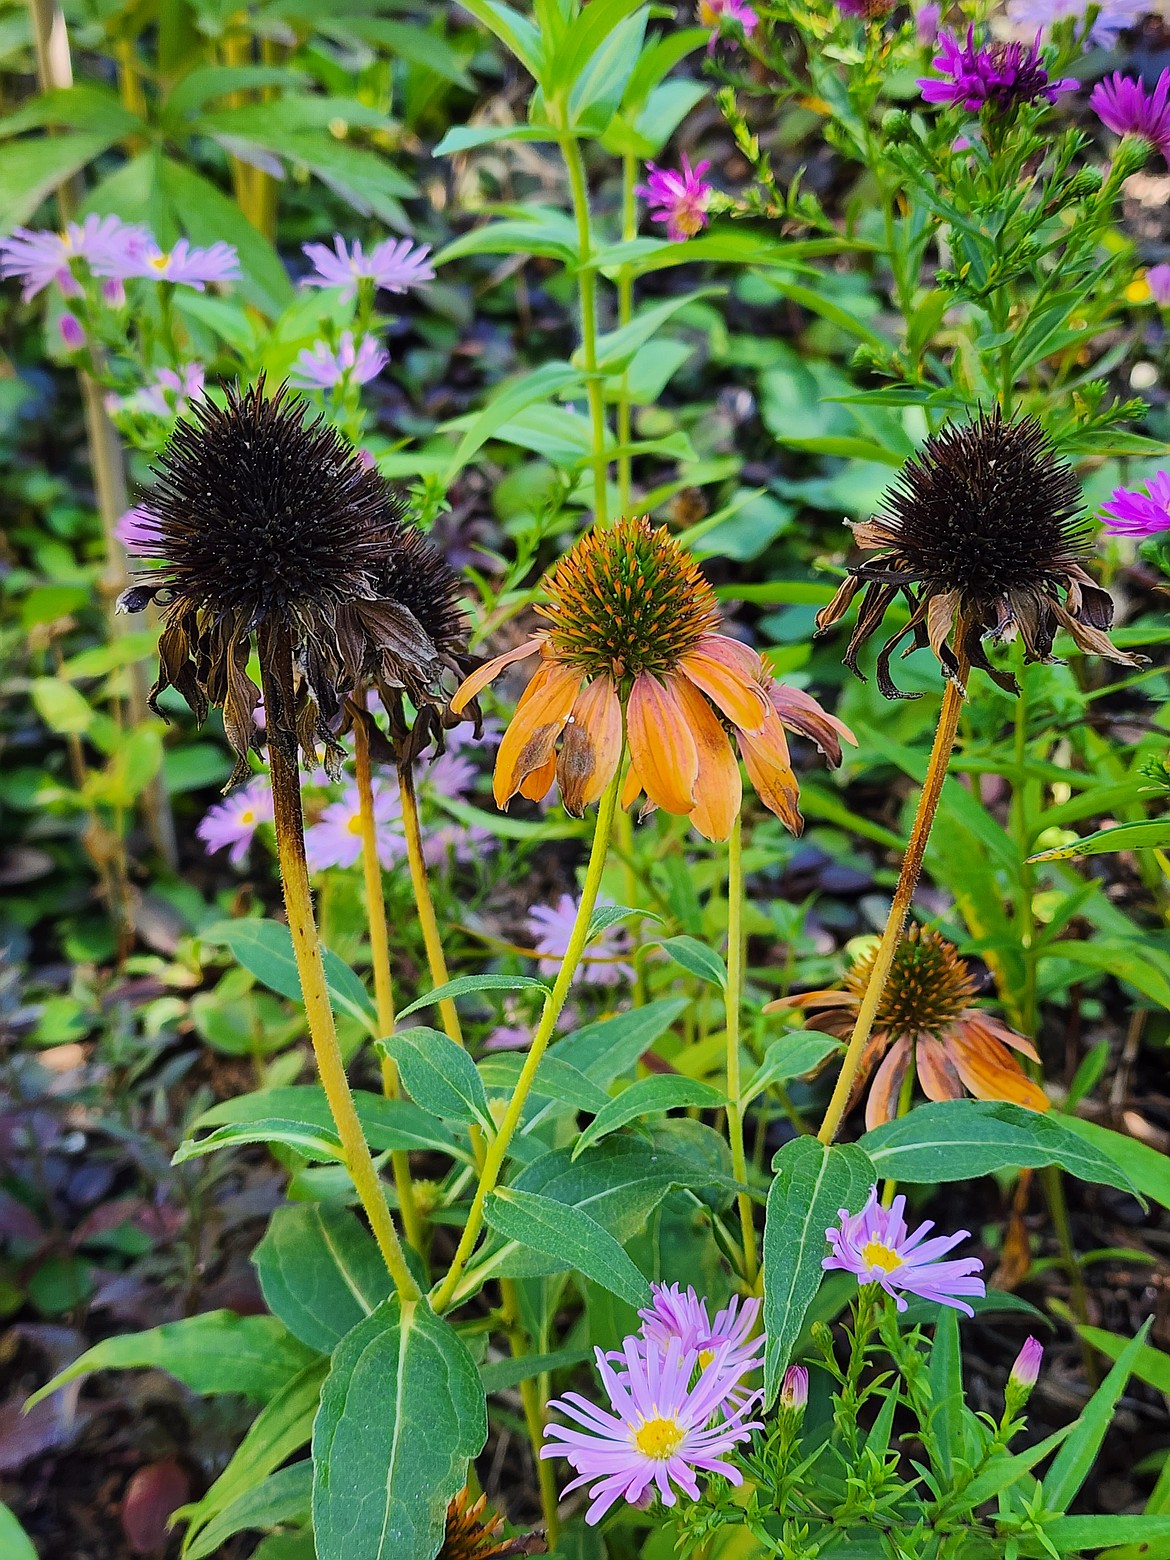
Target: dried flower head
981 532
473 1533
273 526
632 624
925 1020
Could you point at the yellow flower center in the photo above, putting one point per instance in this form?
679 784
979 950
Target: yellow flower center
355 824
705 1358
659 1438
877 1255
160 262
708 16
247 816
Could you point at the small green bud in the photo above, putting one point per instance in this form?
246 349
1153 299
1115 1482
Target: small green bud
897 126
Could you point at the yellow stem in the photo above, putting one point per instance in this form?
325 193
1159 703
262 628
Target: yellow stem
734 1004
380 960
276 677
936 773
427 920
587 289
553 1004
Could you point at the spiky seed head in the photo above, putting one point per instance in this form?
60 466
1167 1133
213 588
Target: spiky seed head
628 599
928 989
473 1533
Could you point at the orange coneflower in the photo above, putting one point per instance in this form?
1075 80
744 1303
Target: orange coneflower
924 1019
632 626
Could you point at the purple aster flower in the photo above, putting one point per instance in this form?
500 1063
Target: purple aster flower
1113 16
169 393
321 367
875 1246
552 926
138 533
394 264
1026 1370
1158 281
997 75
1124 106
508 1037
192 267
681 197
717 14
659 1431
235 820
38 257
335 840
1131 513
680 1313
72 335
926 20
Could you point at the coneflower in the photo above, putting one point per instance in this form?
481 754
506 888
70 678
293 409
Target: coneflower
473 1533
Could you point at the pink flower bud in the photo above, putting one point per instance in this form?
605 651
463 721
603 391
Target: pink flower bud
71 332
1026 1370
794 1392
114 292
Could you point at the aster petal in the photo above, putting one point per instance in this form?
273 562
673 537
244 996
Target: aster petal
531 736
483 675
770 770
661 744
718 789
592 745
725 672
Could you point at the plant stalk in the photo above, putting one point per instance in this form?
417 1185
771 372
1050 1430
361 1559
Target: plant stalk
587 285
553 1003
625 291
425 905
277 678
735 950
531 1399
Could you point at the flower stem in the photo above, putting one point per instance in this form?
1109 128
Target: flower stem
553 1004
424 904
276 676
625 287
587 286
380 960
530 1397
734 1004
936 773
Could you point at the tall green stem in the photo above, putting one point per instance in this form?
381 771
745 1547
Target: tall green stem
735 897
587 287
625 285
532 1399
553 1004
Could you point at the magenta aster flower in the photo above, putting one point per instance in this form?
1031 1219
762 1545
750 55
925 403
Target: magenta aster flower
552 926
1158 281
659 1431
335 840
723 17
1124 106
680 1313
394 264
1113 17
321 366
681 198
875 1246
235 820
1131 513
182 264
38 257
997 75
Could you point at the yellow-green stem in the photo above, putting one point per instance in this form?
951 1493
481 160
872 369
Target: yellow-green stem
276 677
380 961
424 904
587 287
532 1401
905 1095
625 290
936 773
734 1004
553 1004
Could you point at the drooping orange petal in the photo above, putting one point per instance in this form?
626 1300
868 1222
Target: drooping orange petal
770 770
537 783
730 675
661 744
990 1071
882 1104
718 789
799 711
998 1030
532 733
936 1071
592 745
483 675
631 787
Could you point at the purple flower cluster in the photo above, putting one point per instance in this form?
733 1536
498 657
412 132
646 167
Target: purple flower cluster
1141 515
679 198
1125 107
1113 16
1001 76
394 264
321 366
112 249
725 18
552 926
676 1405
876 1247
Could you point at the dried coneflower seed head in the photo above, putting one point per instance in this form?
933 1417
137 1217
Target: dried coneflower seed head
928 988
473 1533
982 534
627 599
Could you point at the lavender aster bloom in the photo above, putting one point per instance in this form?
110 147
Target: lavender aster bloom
1124 106
192 267
170 393
1113 16
794 1391
392 264
320 367
716 14
1158 281
659 1430
681 198
138 533
876 1247
235 820
926 20
997 75
1026 1370
335 840
681 1314
38 257
1131 513
552 926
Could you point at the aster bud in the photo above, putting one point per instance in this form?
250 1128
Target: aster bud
1026 1370
897 126
72 334
794 1392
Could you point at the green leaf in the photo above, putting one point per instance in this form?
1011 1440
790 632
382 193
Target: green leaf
515 32
464 985
1071 1534
419 45
320 1272
605 1050
643 1098
216 1352
15 1543
438 1074
41 166
1143 1166
1149 1364
605 916
387 1124
502 1375
958 1139
1071 1465
567 1234
402 1413
793 1055
946 1391
812 1183
464 138
81 107
61 706
1124 957
1151 835
818 303
284 1496
541 385
1002 1472
527 230
598 80
265 949
311 1141
559 1080
616 348
206 82
697 959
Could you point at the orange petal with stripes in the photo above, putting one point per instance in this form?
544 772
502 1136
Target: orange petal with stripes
661 744
770 770
591 746
532 733
728 678
882 1104
990 1071
483 675
718 789
936 1071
